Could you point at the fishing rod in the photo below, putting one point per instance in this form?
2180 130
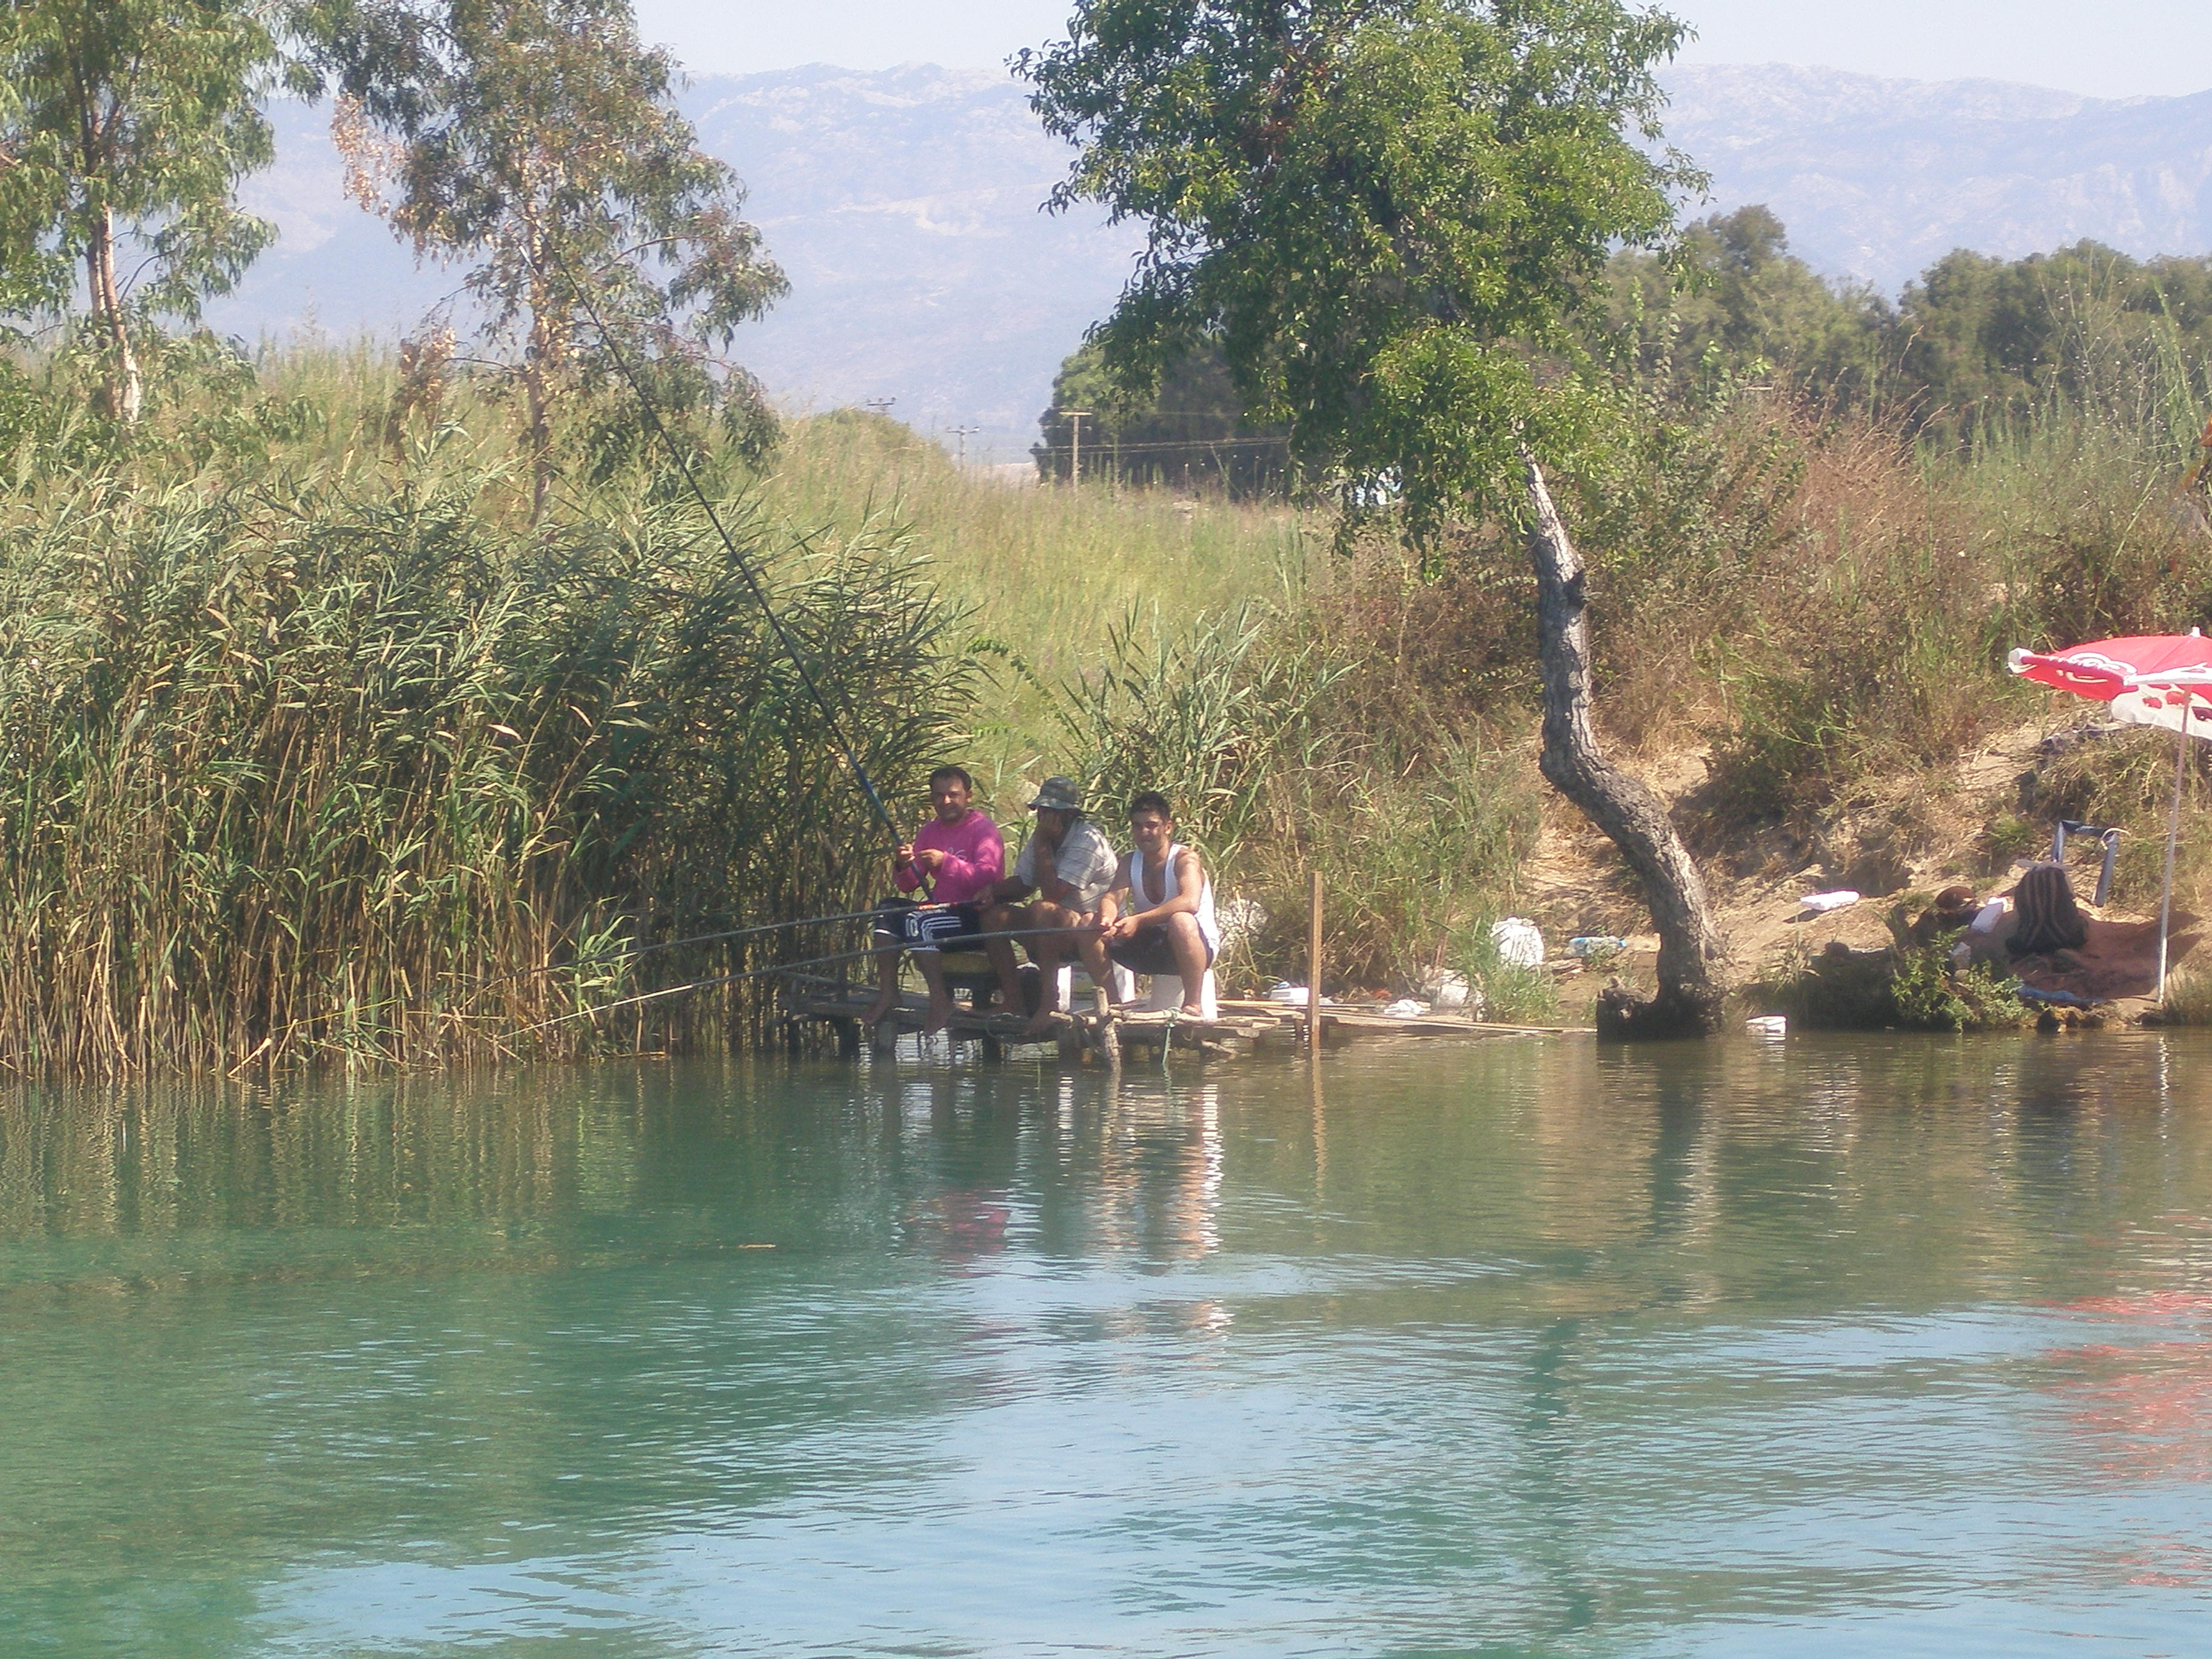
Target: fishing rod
756 972
744 566
670 944
673 944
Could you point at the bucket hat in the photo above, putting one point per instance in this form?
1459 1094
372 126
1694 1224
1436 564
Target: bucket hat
1058 795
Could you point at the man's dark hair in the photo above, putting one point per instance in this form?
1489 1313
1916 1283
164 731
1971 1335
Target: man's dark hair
1152 801
959 772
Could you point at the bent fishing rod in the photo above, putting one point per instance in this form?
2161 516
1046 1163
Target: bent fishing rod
757 973
630 951
652 411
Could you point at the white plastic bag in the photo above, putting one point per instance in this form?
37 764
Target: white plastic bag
1519 943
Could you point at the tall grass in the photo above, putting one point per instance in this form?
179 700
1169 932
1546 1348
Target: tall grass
1276 735
1047 574
341 766
313 745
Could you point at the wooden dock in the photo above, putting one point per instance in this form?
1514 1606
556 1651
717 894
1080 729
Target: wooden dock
1240 1029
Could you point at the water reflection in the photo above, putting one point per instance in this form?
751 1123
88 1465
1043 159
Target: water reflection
1527 1345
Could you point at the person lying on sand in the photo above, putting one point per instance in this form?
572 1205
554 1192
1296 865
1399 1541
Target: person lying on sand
1158 917
2039 915
1068 864
1955 907
2041 933
2046 916
961 855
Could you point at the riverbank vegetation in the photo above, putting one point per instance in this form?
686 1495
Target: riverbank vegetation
230 837
399 705
1806 582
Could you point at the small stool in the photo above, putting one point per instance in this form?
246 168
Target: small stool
1166 992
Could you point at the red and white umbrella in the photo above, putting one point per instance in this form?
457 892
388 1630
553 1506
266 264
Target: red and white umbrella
2159 679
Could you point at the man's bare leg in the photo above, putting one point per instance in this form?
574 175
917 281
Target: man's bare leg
1090 951
1049 950
887 990
1188 945
1000 921
940 1000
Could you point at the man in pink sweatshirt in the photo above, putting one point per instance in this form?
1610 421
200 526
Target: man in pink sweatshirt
961 856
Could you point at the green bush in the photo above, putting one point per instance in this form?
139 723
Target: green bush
1909 987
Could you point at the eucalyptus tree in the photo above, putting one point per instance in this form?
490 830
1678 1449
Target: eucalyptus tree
537 142
1393 217
126 128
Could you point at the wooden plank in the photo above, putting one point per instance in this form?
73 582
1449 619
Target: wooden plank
1313 968
1241 1022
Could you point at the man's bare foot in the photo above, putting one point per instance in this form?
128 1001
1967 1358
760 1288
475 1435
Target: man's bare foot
877 1010
940 1016
1192 1010
1043 1024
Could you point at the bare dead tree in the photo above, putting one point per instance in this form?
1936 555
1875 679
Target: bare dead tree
1622 805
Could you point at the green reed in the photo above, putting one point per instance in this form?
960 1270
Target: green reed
327 765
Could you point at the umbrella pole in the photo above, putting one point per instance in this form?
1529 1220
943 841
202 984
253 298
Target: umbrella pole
2172 834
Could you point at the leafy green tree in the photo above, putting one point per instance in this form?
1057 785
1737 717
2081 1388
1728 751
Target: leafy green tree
1395 216
538 142
1390 213
126 126
1985 341
1731 300
1975 343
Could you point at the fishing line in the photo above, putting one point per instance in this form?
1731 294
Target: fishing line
745 569
671 945
755 973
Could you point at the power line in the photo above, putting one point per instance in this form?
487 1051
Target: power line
1190 443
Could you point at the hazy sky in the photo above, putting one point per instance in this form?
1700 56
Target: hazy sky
2111 49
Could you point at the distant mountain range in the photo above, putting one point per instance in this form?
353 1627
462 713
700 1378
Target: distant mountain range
904 205
1877 179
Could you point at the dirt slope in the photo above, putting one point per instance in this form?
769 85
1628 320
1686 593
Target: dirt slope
1757 877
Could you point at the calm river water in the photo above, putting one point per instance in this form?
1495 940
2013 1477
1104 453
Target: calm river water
1830 1346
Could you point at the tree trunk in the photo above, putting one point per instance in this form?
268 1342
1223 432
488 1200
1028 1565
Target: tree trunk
544 360
1688 1003
127 391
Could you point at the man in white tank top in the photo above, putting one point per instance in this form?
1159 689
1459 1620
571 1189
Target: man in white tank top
1158 917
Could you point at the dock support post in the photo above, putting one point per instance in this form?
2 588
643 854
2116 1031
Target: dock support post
1313 968
848 1038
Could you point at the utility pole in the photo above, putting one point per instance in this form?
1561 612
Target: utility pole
881 406
1075 443
961 433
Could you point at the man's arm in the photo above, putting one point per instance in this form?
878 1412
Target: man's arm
1013 887
1050 887
1109 901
